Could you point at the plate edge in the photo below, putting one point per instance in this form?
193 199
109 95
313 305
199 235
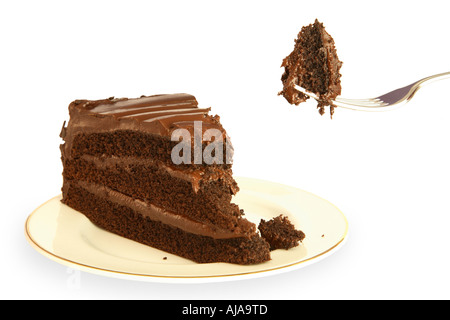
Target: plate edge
122 274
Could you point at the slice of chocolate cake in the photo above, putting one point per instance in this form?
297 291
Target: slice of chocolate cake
280 233
157 170
314 66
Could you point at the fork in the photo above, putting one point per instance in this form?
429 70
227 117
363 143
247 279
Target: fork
387 101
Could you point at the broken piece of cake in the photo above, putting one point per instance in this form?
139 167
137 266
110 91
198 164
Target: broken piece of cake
280 233
314 66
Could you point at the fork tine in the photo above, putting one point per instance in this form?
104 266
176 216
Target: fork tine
375 102
310 94
362 106
348 103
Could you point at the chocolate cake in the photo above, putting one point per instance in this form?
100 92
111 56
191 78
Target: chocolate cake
125 170
280 233
314 66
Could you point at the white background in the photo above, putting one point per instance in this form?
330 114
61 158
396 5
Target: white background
388 172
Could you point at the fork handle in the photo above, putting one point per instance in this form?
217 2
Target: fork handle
433 78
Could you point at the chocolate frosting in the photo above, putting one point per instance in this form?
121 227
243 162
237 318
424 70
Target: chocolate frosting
157 114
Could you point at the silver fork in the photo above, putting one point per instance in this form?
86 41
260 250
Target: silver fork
384 102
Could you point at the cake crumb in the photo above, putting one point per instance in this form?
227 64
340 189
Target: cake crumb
280 233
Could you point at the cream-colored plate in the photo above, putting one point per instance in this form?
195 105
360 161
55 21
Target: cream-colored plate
68 237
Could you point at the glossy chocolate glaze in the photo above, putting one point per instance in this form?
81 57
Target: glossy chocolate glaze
158 114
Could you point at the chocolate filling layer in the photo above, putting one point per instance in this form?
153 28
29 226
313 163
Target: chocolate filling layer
158 214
